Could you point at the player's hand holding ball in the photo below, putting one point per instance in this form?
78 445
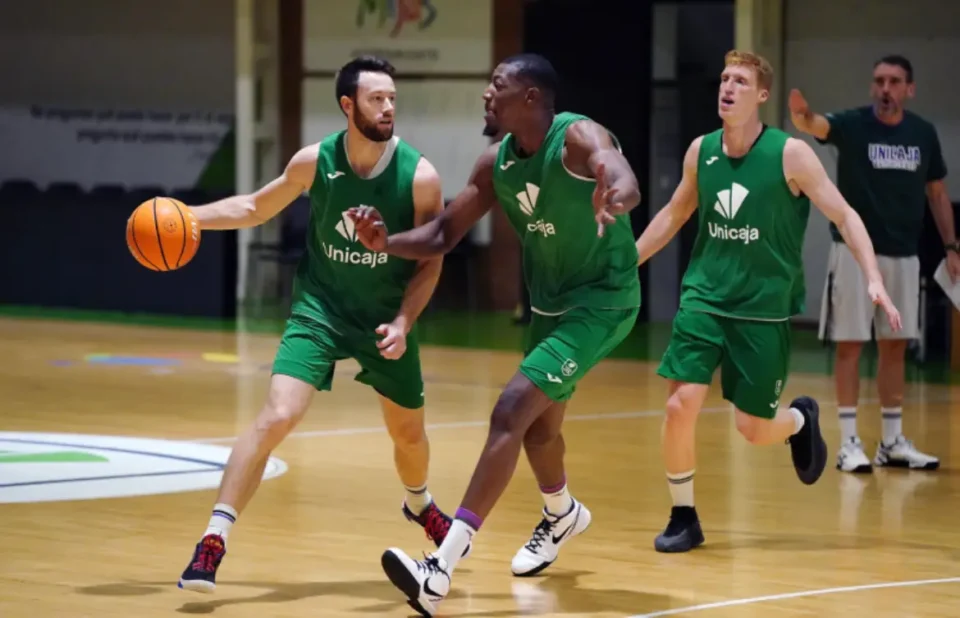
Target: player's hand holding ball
370 227
163 234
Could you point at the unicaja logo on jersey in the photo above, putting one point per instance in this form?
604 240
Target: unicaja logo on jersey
528 203
528 199
728 205
345 227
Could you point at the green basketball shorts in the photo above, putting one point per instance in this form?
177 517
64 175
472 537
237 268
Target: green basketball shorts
753 356
310 348
561 349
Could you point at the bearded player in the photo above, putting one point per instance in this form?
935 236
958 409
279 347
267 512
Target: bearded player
580 267
753 184
347 302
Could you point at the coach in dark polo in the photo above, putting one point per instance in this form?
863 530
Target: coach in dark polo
889 168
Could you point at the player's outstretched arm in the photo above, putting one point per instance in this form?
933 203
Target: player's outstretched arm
242 211
445 231
428 205
670 219
592 153
802 167
806 120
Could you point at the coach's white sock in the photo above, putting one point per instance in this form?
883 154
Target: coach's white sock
222 519
892 424
848 422
681 488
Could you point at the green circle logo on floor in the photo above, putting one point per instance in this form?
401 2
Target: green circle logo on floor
50 467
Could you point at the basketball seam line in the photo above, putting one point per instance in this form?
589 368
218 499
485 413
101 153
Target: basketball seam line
183 224
137 243
156 227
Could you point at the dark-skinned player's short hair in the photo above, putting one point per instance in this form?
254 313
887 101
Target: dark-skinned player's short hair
898 61
349 74
536 71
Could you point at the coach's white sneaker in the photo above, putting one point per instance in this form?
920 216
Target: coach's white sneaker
425 582
548 537
851 458
902 454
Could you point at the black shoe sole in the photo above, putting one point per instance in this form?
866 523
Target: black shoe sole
405 582
675 546
906 465
818 446
862 469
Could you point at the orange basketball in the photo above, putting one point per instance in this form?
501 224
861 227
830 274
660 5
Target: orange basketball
163 234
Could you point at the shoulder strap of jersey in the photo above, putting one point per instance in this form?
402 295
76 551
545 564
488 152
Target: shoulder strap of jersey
406 158
708 147
326 163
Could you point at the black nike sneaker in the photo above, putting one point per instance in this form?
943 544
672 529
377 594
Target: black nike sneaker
808 449
682 533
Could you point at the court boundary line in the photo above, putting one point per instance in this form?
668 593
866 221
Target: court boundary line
355 431
602 416
795 595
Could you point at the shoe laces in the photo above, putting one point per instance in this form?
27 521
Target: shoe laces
430 565
210 554
435 523
540 534
899 441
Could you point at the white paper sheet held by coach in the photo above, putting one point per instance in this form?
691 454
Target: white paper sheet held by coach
952 289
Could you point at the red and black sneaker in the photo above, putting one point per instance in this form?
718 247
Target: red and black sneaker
201 574
434 522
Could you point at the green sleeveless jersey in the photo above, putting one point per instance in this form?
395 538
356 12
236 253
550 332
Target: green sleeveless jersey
747 260
338 281
565 264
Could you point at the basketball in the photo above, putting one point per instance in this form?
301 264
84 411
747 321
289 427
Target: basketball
163 234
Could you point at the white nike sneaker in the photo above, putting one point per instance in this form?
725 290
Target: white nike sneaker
902 454
851 458
548 537
425 582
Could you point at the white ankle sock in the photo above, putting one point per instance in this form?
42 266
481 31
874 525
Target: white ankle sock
418 498
892 424
558 502
452 548
799 419
222 519
681 488
848 422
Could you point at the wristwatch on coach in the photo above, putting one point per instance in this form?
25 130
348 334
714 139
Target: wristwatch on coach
952 246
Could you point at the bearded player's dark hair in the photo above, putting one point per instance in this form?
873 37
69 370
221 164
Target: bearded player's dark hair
349 74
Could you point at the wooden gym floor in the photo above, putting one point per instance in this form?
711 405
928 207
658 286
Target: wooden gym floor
886 544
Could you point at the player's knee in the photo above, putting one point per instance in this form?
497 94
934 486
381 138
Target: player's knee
678 412
277 419
506 416
407 434
750 427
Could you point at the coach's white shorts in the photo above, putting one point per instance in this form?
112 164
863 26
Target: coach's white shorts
846 313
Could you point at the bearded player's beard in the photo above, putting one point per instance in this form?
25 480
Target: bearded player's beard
371 130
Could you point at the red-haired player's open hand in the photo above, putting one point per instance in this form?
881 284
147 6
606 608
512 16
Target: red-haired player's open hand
369 226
